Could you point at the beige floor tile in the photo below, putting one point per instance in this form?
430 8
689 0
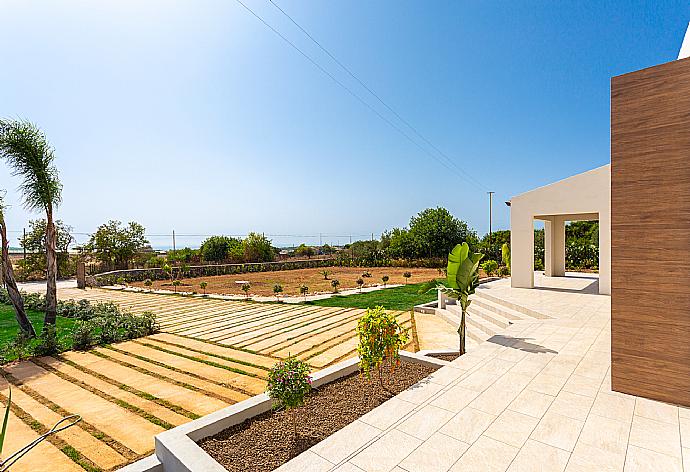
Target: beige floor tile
425 422
386 452
539 457
655 410
616 407
655 436
347 467
420 392
531 403
437 454
582 386
486 455
446 375
455 399
605 434
338 447
685 432
586 458
512 428
644 460
572 405
686 459
558 431
478 380
306 461
468 425
392 411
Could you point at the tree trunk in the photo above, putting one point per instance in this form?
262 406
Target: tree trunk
51 273
461 333
12 290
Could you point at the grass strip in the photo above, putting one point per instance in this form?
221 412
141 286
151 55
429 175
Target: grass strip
124 451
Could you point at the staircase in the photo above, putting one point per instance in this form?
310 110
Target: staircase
487 316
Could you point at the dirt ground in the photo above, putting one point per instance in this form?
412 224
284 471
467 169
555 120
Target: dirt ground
262 282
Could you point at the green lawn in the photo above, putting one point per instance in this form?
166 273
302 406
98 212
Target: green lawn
9 326
397 298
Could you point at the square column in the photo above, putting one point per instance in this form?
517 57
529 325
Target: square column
554 246
521 247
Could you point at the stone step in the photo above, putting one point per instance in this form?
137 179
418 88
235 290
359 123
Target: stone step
475 333
484 295
501 322
497 308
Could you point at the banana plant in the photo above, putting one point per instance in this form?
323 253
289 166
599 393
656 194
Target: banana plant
462 278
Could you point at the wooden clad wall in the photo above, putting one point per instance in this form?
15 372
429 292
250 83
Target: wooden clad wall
650 232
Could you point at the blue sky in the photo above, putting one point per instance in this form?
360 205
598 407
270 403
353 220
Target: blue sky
194 116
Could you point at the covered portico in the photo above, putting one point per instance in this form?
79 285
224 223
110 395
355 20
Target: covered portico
585 196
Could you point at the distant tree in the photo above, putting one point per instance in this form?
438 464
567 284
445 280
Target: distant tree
360 282
304 251
35 243
303 290
385 279
326 249
203 286
13 293
116 245
245 288
335 283
490 245
31 157
221 249
258 248
407 276
435 232
277 290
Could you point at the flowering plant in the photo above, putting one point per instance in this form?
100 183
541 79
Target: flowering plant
380 339
288 384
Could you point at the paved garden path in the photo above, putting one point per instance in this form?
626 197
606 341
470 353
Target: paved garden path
210 353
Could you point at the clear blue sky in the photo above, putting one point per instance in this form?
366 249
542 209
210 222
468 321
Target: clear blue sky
194 116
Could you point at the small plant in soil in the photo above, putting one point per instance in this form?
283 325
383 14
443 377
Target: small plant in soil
325 274
245 288
277 290
385 280
175 284
120 281
380 339
407 276
335 283
366 273
360 282
490 267
288 383
203 286
148 283
303 290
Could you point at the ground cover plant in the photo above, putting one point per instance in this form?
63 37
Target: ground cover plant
262 283
401 298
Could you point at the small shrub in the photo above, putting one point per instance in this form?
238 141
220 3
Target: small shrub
148 283
303 290
490 267
538 264
407 276
48 343
504 271
120 281
335 283
385 280
175 284
108 327
360 282
19 348
83 336
203 286
325 274
288 384
277 290
366 273
380 339
245 288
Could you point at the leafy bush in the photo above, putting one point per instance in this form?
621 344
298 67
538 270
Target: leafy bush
335 283
380 339
407 276
48 343
19 348
108 328
504 271
325 274
148 283
288 384
490 267
277 290
245 288
83 336
303 290
203 286
385 280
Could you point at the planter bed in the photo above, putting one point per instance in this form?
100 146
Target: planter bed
445 357
265 442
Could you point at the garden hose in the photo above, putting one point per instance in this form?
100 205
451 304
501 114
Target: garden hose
59 426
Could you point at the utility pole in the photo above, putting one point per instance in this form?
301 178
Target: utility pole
491 199
173 240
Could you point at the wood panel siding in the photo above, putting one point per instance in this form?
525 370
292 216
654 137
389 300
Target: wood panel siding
650 232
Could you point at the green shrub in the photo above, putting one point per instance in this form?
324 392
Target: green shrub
303 290
538 264
335 283
203 286
385 280
108 328
288 384
325 274
48 343
245 288
360 282
148 283
19 348
504 271
490 267
83 337
277 290
407 275
380 339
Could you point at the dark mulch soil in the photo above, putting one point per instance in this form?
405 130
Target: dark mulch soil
445 357
267 441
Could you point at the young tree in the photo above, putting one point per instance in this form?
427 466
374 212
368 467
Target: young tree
31 157
385 279
148 283
203 286
407 276
277 290
334 284
245 288
8 276
303 290
325 274
35 242
288 384
257 248
175 284
360 282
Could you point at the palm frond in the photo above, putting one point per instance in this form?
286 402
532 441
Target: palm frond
28 153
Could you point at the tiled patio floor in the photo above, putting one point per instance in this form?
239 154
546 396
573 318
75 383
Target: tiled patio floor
535 398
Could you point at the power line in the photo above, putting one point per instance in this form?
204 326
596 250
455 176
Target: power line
351 92
375 95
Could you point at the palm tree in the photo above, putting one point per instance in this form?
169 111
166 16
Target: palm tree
8 276
31 157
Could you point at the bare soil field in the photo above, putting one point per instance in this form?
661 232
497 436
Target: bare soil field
262 282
